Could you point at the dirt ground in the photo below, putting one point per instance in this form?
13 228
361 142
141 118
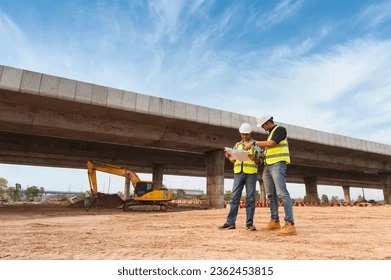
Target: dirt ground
59 232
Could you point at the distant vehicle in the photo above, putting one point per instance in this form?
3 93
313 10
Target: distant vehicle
2 201
372 201
74 199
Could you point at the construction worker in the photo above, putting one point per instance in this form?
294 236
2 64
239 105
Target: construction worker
245 174
276 152
87 199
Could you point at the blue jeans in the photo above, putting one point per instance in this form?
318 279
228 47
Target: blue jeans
274 181
241 180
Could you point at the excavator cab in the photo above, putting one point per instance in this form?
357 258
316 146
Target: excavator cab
142 188
143 191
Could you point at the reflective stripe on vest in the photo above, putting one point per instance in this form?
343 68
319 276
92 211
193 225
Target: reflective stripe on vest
247 166
279 152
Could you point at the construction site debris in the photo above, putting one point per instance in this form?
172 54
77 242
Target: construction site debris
102 201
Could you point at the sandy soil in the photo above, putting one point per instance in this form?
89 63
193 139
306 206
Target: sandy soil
52 232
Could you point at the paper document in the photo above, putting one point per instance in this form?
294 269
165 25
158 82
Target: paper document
241 155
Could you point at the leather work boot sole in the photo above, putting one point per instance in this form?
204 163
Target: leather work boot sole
272 225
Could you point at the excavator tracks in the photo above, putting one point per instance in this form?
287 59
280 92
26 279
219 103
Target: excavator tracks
144 206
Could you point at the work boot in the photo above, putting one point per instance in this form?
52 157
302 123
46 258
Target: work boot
227 226
288 229
250 228
272 225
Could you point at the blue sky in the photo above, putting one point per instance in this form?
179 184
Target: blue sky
324 65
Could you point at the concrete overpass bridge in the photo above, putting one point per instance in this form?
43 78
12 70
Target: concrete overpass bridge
53 121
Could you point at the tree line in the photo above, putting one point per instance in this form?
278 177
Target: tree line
16 193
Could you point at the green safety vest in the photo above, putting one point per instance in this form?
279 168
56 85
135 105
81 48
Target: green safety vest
247 166
279 152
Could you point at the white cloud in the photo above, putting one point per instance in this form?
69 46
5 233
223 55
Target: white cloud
13 41
282 10
314 91
167 13
376 14
9 30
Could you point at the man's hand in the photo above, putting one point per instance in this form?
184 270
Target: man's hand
253 158
247 146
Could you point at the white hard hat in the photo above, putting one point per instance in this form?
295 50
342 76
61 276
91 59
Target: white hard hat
261 120
245 128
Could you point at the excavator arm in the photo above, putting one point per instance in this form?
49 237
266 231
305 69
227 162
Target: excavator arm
93 166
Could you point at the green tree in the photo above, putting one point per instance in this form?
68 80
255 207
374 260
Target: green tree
3 186
334 199
325 199
181 193
32 192
227 195
11 192
3 183
14 192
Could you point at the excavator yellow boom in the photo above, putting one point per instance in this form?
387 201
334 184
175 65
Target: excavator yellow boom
93 166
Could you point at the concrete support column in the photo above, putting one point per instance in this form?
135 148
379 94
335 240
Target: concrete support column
127 188
157 176
386 180
311 189
346 193
262 197
215 179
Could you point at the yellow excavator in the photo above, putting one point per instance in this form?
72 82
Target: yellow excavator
144 194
